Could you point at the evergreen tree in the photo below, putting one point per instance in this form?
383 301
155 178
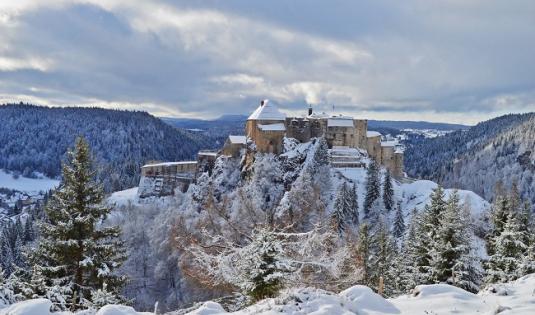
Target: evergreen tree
28 231
504 265
262 266
340 210
388 192
321 155
399 223
353 207
75 252
409 272
7 295
372 187
6 254
383 261
455 264
364 254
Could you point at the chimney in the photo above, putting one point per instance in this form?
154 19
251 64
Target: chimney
263 102
309 110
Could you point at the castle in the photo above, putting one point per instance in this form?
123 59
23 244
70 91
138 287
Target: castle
265 131
267 127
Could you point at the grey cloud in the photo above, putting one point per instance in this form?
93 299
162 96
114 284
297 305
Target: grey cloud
213 57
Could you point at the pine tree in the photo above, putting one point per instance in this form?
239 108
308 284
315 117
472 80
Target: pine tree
455 264
505 263
372 187
28 231
383 261
7 296
262 266
6 254
321 155
364 254
353 207
338 216
75 252
399 222
409 273
388 192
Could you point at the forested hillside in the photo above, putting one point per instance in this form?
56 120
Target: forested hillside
498 150
35 138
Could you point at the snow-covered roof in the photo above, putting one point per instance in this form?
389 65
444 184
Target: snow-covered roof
272 127
318 115
207 153
371 134
267 111
340 122
170 163
237 139
389 143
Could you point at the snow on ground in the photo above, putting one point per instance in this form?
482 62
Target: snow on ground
516 298
123 197
434 299
25 184
42 307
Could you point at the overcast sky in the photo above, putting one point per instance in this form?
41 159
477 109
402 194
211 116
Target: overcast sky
457 61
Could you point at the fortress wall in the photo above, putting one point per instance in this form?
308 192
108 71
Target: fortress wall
374 147
361 128
298 128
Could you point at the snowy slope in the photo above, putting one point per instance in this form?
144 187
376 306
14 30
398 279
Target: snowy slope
413 194
507 299
24 184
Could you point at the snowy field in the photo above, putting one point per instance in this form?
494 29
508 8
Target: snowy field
514 298
24 184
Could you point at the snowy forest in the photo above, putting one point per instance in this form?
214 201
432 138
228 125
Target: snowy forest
256 226
36 138
493 153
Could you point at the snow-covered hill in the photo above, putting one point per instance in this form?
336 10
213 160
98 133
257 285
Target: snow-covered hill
24 184
511 298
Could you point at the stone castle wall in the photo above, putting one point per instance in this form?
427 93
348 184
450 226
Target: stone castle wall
304 129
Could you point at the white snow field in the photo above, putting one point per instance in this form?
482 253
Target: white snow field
25 184
516 298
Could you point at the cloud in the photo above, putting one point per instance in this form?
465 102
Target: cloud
460 60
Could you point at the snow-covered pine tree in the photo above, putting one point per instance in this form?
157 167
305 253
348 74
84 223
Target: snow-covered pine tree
262 266
499 214
338 216
364 254
321 155
399 222
75 251
373 186
455 264
7 296
353 208
504 265
414 255
383 261
29 234
388 191
6 255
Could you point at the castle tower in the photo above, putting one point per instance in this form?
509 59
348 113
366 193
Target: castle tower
266 127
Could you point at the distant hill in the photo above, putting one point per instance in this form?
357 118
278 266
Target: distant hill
218 129
500 149
35 138
414 125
